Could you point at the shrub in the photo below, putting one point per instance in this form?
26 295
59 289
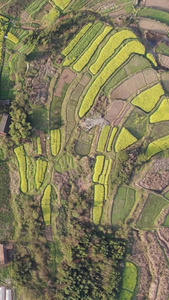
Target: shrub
41 166
162 113
55 141
151 57
39 147
157 146
20 153
84 59
98 167
132 47
83 43
149 98
103 138
109 147
124 140
12 38
78 36
114 42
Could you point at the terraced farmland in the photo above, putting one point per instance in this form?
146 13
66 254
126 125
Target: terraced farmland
88 147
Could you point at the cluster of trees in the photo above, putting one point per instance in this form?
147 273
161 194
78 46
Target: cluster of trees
20 128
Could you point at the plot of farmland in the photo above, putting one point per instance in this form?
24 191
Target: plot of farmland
122 205
67 76
133 84
114 110
163 4
151 211
164 60
153 25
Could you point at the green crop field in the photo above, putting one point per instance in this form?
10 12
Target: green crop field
151 211
158 15
123 204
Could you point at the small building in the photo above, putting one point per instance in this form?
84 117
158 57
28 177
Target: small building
2 293
4 124
2 255
8 294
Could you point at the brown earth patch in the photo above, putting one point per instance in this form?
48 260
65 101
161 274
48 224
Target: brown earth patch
67 76
150 76
133 84
118 13
75 95
164 60
85 80
114 110
153 25
162 4
123 114
129 87
157 178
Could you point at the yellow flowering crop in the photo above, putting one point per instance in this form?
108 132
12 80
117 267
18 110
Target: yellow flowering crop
102 177
103 138
110 47
149 98
151 57
12 38
78 36
162 113
46 196
20 153
41 166
114 131
98 194
157 146
124 140
97 213
62 3
46 210
55 141
132 47
84 59
39 147
98 167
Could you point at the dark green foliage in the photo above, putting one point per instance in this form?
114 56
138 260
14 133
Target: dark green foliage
6 216
39 119
156 14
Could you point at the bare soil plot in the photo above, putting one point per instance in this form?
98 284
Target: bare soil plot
162 4
164 60
67 76
150 76
136 64
133 84
153 25
85 79
118 13
129 87
114 110
123 114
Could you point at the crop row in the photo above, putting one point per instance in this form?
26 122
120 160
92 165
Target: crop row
129 281
20 153
103 138
12 38
83 43
84 59
46 210
36 6
41 167
39 146
47 195
76 39
108 50
98 167
162 113
110 143
123 55
98 202
157 146
62 3
55 141
148 99
124 140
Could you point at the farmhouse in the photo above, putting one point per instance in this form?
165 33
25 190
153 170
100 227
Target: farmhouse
4 124
5 293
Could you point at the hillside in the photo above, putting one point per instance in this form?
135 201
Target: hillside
85 163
